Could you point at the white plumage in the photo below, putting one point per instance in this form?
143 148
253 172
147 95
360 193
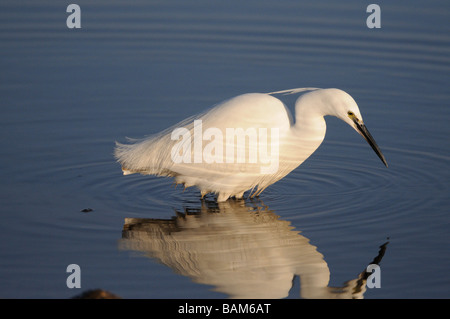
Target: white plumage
245 143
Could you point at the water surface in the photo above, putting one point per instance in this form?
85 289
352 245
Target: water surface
136 68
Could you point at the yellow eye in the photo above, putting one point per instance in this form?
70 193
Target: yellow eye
350 113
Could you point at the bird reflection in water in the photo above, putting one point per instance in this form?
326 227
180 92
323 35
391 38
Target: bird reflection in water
242 249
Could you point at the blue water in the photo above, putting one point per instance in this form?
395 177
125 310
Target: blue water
133 69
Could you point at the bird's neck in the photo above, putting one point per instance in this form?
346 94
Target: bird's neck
309 125
309 118
307 133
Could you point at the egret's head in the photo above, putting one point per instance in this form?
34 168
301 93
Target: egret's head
343 106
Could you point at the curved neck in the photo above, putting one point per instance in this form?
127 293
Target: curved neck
309 121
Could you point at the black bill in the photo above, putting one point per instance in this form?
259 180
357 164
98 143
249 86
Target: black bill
362 129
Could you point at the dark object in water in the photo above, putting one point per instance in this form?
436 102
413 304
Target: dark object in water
96 294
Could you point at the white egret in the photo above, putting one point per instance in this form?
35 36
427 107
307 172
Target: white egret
245 143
